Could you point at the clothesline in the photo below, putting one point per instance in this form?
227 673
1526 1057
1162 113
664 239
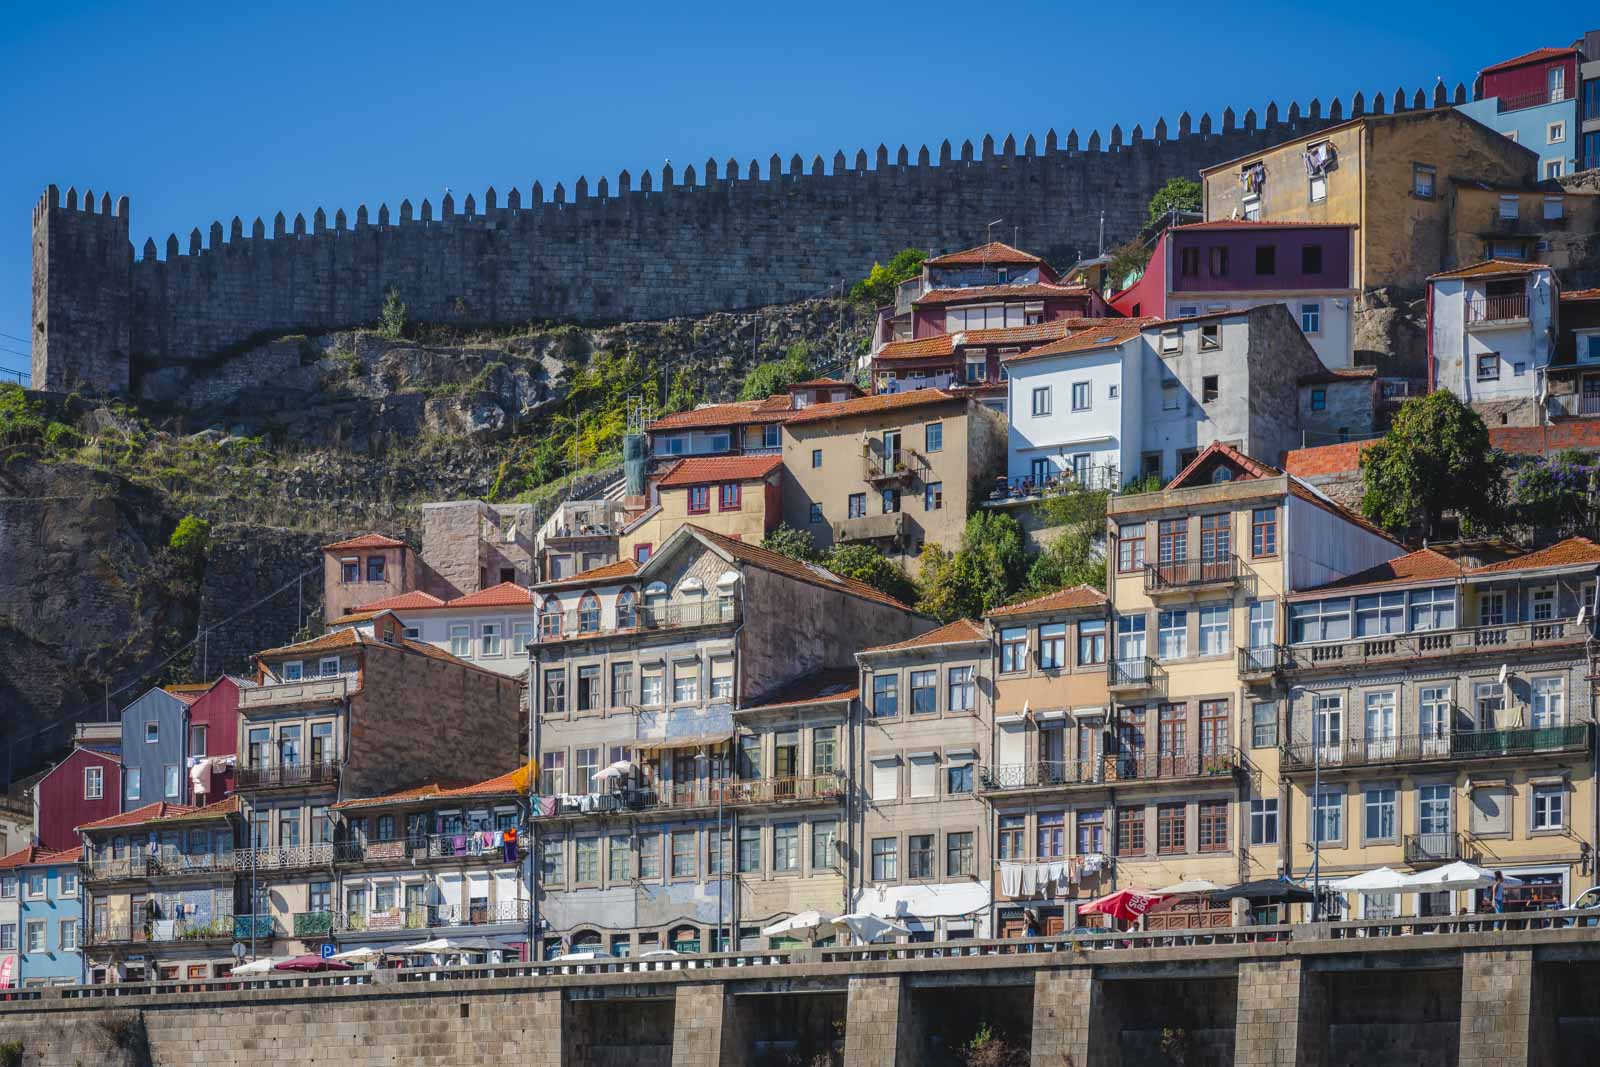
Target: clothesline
1037 879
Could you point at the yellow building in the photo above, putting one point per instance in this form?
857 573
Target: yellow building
1441 709
736 496
1391 175
1544 222
1198 574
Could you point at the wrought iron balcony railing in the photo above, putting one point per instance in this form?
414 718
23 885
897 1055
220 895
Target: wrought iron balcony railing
1140 672
294 857
1111 767
1437 847
1445 745
1184 575
288 775
1268 659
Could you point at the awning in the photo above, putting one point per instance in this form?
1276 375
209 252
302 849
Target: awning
923 901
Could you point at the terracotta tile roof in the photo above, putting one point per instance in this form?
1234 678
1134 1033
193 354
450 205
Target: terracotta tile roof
757 556
1333 376
324 643
1074 597
960 632
138 816
1118 331
1254 467
993 252
622 568
1342 458
187 693
34 856
824 383
412 601
1490 267
983 292
1582 294
946 344
838 684
371 540
23 857
512 783
504 595
354 617
1574 551
706 469
1538 55
871 405
66 855
739 413
1260 224
921 348
1423 565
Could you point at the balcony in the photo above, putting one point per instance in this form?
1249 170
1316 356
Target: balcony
329 689
731 793
257 926
1535 98
1129 675
467 845
816 787
293 858
399 850
484 914
882 470
1425 849
157 931
1431 644
1260 664
1107 769
1191 576
414 918
312 923
1416 748
560 626
891 527
1488 311
288 775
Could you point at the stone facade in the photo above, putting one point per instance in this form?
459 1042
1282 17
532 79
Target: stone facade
1496 998
1267 1031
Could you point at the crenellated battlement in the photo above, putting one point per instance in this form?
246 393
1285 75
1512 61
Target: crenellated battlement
654 243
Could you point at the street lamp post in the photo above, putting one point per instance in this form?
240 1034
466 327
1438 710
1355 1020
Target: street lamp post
1316 793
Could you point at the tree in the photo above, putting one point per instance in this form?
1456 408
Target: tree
987 1048
1179 194
866 564
765 379
1435 458
392 319
1554 493
1127 263
787 541
189 539
981 574
877 288
1073 556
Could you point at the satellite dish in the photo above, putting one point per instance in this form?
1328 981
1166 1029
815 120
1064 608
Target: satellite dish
1502 675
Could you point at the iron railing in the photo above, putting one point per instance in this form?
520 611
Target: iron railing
876 467
258 926
1443 745
1427 644
469 844
1110 767
731 792
398 918
1268 659
288 775
312 923
1433 847
1184 574
1140 672
484 914
1508 307
139 863
139 931
555 626
396 850
1534 98
282 859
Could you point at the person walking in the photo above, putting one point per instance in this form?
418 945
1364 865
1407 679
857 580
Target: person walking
1499 898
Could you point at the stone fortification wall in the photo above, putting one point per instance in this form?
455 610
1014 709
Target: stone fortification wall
674 243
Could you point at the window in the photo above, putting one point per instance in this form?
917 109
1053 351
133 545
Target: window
977 369
1081 396
1311 322
350 570
461 639
1549 703
1379 807
1009 842
1214 630
1252 212
171 782
1549 807
824 749
728 497
1171 828
1189 262
8 937
924 775
959 854
1091 641
1266 259
933 437
1213 819
1264 821
816 512
722 679
652 687
621 685
885 859
885 778
1263 725
924 692
1053 646
1171 341
1423 179
919 856
586 859
1492 608
292 671
1380 614
1327 816
1542 605
1555 133
1317 188
1319 399
885 694
816 459
130 784
152 733
1433 809
94 779
1130 548
857 506
1510 207
555 691
1210 337
1041 401
786 846
1169 395
699 499
619 858
649 857
488 639
1554 207
1488 367
683 853
1209 389
1130 831
716 851
958 779
1130 637
33 883
1172 541
961 688
933 496
36 939
686 682
824 844
1172 634
1433 609
1091 832
1013 650
1052 835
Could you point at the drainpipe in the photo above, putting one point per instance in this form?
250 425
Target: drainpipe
535 948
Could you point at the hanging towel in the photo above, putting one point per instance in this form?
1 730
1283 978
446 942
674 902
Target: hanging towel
548 806
1029 880
1010 879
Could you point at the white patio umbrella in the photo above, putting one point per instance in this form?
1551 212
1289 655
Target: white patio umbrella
1379 880
357 956
616 770
868 928
263 965
1188 885
810 924
1457 875
449 944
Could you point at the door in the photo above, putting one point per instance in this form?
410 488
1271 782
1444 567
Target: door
1171 738
1379 732
1263 633
1011 769
1052 755
1433 716
1039 472
1130 641
1090 732
1213 734
891 450
1327 728
1130 742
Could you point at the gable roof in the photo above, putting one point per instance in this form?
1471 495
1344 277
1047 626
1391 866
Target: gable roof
138 816
1572 552
705 469
993 252
767 560
1116 332
512 783
982 292
834 685
606 572
1489 267
504 595
1538 55
879 403
1217 450
776 408
960 632
1073 597
367 540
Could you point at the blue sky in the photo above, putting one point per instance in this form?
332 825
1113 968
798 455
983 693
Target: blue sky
199 113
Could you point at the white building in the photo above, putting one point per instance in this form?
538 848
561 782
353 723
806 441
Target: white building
1492 335
491 628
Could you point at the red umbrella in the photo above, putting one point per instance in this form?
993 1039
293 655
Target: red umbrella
311 963
1125 904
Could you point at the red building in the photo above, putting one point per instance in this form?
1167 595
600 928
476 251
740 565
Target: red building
82 788
1543 76
213 738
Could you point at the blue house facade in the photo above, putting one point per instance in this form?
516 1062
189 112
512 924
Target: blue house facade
154 744
1533 99
50 920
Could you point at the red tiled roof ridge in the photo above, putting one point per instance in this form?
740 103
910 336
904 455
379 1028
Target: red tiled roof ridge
793 568
505 594
1569 551
622 568
366 540
871 405
414 600
147 813
704 469
990 252
1546 52
1421 565
1491 266
1073 596
1087 340
961 631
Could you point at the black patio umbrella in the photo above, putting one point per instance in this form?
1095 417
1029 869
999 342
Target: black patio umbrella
1266 891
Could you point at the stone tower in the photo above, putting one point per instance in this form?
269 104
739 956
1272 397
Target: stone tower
82 292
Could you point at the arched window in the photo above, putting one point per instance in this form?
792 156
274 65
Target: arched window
627 610
588 613
550 617
692 587
586 941
655 604
685 939
1221 474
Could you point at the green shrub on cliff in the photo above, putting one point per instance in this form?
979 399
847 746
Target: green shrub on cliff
392 319
20 418
765 379
190 539
877 288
